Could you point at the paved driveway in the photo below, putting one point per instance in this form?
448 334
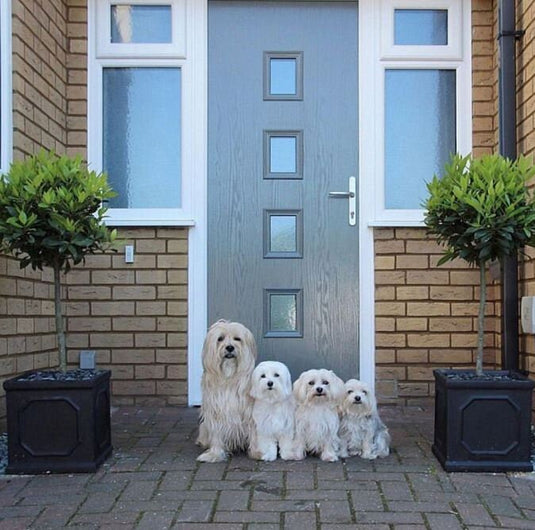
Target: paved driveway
152 481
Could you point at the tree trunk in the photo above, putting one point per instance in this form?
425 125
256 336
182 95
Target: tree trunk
481 317
60 332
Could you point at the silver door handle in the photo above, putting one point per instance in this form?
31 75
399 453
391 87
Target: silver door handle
341 194
351 194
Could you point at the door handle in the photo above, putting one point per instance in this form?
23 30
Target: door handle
352 202
341 194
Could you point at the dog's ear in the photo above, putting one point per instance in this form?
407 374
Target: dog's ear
253 386
250 342
286 381
338 387
300 389
372 400
209 350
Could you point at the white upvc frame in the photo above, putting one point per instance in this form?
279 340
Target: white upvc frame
380 54
176 48
194 161
6 125
451 51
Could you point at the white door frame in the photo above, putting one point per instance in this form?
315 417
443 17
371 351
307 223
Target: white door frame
197 267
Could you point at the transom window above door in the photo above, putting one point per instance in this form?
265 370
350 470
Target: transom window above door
141 28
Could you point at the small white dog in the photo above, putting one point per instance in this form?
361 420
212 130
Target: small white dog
318 394
273 422
228 358
361 430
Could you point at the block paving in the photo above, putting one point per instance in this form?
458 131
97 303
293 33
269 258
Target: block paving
152 481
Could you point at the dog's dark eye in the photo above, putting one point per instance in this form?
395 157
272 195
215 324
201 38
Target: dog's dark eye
350 391
237 339
276 375
263 376
311 383
325 382
365 392
220 339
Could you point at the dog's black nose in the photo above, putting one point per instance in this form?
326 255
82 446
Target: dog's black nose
270 384
319 389
230 348
357 399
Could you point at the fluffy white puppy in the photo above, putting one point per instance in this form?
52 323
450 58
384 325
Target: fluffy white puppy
361 430
228 359
273 424
317 393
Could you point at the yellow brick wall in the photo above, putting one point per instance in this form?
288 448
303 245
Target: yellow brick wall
134 315
526 146
426 316
39 60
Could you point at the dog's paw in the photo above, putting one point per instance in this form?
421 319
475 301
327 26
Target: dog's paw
212 455
327 456
369 456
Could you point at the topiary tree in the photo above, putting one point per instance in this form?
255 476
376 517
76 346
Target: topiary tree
51 215
481 210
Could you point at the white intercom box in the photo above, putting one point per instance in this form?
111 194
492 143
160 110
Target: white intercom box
527 314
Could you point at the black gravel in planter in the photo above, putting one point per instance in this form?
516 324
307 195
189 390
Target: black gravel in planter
58 375
486 376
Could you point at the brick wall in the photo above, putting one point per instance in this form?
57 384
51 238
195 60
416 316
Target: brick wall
526 145
39 75
134 315
27 338
426 316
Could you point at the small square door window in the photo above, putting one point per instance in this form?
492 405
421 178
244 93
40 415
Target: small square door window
283 75
283 234
283 157
283 309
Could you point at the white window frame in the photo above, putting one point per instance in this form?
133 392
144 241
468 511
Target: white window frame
176 48
378 54
6 128
194 163
193 106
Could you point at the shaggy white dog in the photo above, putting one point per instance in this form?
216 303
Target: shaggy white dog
361 430
228 359
318 393
273 424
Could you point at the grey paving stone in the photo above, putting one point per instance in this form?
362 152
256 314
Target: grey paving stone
195 511
367 500
388 518
519 524
155 521
442 521
474 513
233 500
335 511
300 520
247 517
207 526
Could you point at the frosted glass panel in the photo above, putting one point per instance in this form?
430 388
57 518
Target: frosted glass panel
283 312
426 27
283 154
283 78
142 123
139 23
283 232
419 132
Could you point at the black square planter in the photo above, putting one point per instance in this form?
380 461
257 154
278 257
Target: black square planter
483 424
58 423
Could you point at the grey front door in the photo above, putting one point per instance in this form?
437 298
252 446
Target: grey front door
282 121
